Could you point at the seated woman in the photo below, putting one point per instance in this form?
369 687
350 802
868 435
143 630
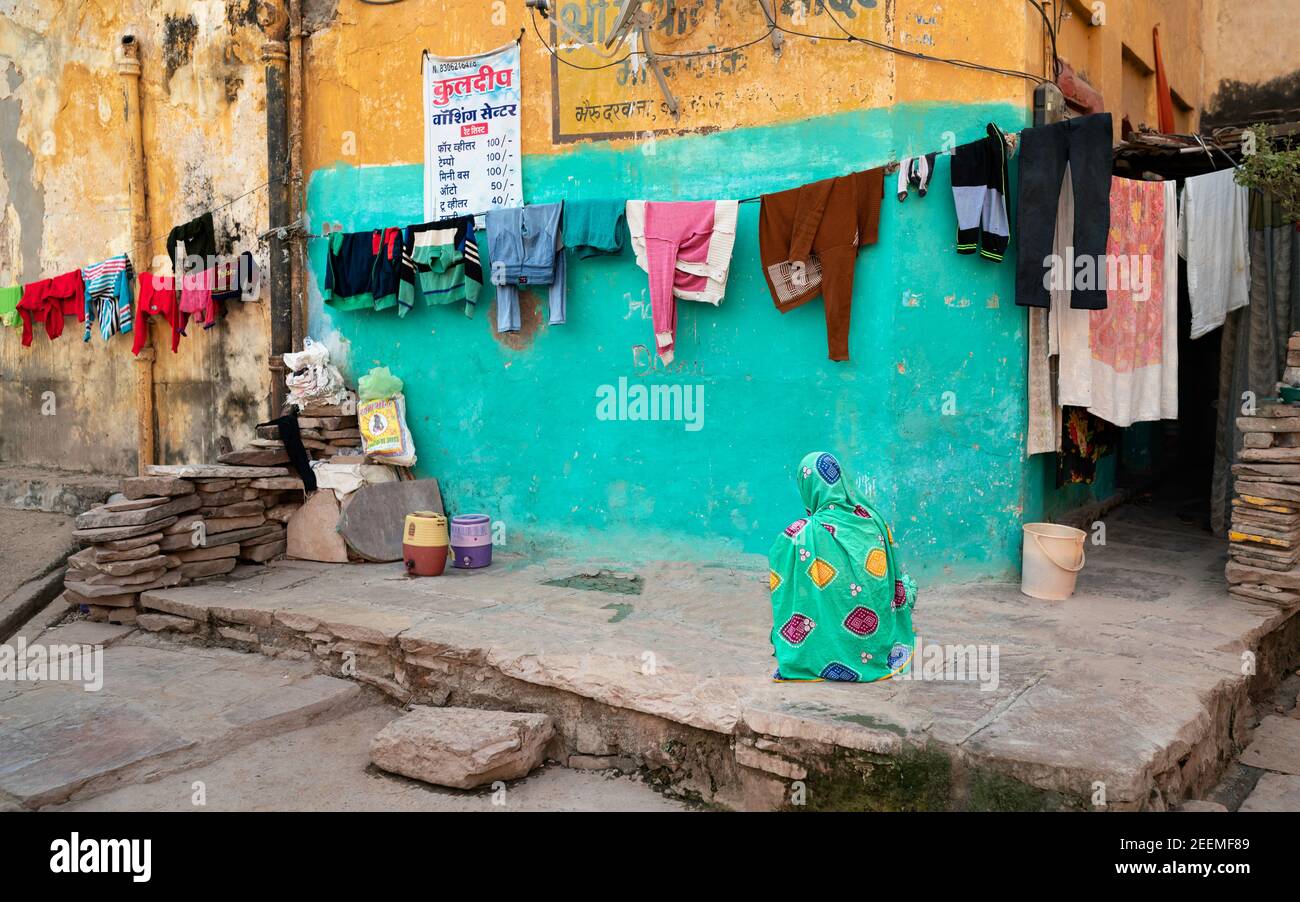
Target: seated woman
841 604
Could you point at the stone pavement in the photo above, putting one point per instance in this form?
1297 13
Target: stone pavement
1137 687
255 732
325 767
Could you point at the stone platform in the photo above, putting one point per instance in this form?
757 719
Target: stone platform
1137 689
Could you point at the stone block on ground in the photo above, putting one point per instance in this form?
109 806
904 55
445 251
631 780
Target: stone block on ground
373 518
166 623
313 531
119 533
207 553
260 554
104 517
1275 746
202 569
462 747
144 486
1274 792
101 556
219 525
256 457
132 544
216 471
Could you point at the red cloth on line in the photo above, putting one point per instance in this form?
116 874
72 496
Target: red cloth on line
49 301
157 298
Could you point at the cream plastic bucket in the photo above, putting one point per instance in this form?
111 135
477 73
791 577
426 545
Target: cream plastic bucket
1053 557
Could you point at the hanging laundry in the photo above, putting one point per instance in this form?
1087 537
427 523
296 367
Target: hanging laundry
526 245
9 298
1086 439
702 271
687 254
915 172
808 239
108 296
196 297
440 263
200 244
1134 341
157 298
237 279
361 269
1213 239
594 227
1085 145
979 193
49 301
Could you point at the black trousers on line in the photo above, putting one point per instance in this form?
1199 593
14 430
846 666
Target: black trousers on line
1085 144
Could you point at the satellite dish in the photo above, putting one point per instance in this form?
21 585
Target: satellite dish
623 23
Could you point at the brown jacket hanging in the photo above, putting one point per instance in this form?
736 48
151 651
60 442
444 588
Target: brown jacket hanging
808 238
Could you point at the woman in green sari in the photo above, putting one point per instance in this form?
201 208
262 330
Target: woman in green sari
841 604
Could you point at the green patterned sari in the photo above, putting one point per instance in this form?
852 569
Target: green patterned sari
841 604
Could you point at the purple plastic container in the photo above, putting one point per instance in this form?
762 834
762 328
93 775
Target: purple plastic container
471 541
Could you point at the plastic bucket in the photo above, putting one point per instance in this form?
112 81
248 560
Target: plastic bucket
424 543
1053 557
471 541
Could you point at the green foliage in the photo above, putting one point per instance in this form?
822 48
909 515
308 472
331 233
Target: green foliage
1274 169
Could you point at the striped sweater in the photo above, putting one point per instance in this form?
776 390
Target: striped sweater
108 296
440 263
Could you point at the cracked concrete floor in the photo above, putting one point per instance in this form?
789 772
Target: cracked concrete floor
174 726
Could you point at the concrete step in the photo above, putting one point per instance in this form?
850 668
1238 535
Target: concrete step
1134 691
159 710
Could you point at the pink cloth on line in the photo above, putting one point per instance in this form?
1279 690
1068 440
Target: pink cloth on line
678 230
196 296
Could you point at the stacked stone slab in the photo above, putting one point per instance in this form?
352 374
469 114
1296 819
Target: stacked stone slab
125 551
243 508
1264 538
327 430
175 525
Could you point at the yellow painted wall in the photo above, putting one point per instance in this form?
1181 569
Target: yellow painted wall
363 96
1117 57
63 204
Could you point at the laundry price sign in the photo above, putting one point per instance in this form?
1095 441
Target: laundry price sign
471 133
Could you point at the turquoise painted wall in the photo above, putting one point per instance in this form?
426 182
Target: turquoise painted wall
513 431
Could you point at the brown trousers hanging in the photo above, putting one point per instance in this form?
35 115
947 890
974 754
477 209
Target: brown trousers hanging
808 239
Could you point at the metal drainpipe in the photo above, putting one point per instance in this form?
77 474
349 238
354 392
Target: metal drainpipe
128 67
298 238
275 56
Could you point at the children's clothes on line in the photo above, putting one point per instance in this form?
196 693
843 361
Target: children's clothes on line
808 239
237 279
594 227
9 298
440 263
108 296
702 270
915 172
979 193
157 298
1081 147
49 301
685 231
199 240
361 269
526 245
